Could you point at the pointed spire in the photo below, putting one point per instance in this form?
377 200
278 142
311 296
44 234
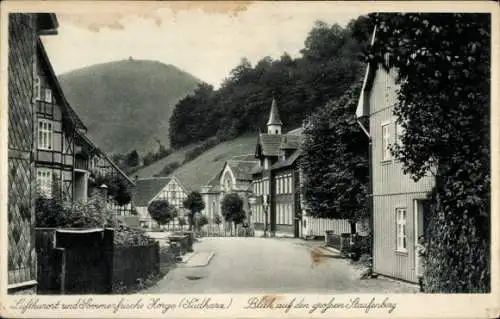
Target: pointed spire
274 116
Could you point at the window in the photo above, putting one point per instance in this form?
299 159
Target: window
44 181
386 142
44 134
37 88
48 95
401 240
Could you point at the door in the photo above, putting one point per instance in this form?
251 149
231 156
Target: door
421 217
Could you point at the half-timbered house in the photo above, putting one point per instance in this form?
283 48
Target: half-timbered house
56 127
24 31
148 190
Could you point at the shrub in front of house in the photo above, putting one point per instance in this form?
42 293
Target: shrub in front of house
360 246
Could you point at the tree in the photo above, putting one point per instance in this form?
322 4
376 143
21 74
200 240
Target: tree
162 212
335 161
195 204
201 220
132 159
217 220
118 188
232 209
443 107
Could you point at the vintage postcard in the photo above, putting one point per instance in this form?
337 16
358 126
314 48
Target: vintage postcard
249 159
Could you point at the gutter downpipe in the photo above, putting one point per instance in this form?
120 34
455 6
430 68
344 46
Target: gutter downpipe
370 187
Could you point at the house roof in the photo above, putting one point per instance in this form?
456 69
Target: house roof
287 162
271 144
290 142
242 169
147 188
81 137
297 131
274 116
66 108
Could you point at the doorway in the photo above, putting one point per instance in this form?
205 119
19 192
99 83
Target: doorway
80 185
421 210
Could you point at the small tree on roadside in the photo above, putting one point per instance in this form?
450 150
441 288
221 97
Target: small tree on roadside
202 221
182 222
162 212
194 203
232 209
217 220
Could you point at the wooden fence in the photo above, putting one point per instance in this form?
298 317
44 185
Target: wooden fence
131 263
87 262
213 230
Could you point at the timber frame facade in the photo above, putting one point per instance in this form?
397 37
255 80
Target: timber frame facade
24 30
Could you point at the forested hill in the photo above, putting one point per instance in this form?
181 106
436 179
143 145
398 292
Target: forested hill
127 104
328 65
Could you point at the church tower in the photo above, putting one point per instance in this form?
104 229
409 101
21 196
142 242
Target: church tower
274 124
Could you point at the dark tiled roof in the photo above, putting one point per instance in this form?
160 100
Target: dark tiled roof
147 188
214 181
270 144
242 169
297 131
245 157
287 162
290 142
256 170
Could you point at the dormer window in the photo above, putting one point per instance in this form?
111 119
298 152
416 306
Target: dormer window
48 95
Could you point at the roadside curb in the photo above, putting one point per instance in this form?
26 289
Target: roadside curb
187 257
324 252
201 264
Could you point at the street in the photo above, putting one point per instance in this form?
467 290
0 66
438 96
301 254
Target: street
258 265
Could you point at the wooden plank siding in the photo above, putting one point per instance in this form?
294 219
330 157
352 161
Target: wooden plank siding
391 187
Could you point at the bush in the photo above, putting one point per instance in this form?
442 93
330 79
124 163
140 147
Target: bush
127 237
217 219
198 150
161 211
359 247
202 221
169 168
52 212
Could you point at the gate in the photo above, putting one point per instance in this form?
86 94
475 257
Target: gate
21 179
87 260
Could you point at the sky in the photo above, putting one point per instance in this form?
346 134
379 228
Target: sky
204 40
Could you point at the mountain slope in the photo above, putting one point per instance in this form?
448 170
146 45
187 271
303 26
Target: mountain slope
127 104
199 171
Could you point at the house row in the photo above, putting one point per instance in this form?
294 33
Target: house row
49 152
270 181
273 178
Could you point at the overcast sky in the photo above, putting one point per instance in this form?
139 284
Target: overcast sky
207 43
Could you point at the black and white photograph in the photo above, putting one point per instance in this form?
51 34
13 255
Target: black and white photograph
257 148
